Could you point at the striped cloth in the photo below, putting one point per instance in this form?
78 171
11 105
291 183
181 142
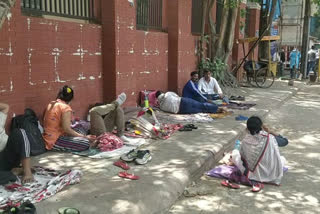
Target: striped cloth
72 144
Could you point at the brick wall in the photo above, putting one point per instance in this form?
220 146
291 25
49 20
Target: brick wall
38 56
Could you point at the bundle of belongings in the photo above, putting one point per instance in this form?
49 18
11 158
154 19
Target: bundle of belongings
140 126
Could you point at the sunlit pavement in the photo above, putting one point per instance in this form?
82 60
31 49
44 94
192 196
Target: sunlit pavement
297 119
176 162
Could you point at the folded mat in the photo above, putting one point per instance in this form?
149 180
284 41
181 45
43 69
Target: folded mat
47 183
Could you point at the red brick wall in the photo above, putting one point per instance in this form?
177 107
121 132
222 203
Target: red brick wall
38 56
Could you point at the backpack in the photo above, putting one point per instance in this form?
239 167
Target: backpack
29 122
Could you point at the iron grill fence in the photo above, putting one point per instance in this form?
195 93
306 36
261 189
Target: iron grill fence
197 12
79 9
149 14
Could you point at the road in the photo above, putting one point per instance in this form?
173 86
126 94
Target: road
297 119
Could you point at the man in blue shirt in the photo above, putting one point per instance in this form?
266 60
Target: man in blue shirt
190 90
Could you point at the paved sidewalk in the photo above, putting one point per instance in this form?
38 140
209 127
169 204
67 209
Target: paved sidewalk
297 119
176 163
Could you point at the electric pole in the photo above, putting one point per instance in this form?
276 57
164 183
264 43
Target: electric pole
305 37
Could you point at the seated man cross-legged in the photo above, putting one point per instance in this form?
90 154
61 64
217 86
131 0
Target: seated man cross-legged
209 86
190 90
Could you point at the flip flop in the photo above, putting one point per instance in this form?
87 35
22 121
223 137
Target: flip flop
192 126
226 183
241 117
122 165
68 210
128 176
257 187
184 129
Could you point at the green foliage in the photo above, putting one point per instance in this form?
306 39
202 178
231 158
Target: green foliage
216 67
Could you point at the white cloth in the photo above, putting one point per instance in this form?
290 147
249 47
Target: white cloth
209 87
3 135
169 102
276 57
312 54
270 166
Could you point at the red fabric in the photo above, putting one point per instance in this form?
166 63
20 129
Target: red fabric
153 102
109 142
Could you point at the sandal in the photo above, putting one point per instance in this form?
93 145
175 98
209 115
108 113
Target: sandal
257 187
122 165
226 183
184 129
128 176
192 126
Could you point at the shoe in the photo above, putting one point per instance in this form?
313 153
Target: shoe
124 139
192 126
130 156
143 157
185 129
257 187
121 98
68 210
241 117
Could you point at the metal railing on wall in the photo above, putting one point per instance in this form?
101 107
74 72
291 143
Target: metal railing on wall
149 14
78 9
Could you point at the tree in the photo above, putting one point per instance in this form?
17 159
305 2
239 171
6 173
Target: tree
215 49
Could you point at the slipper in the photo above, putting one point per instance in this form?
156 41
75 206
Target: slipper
241 117
226 183
257 187
192 126
122 165
184 129
27 208
68 210
128 175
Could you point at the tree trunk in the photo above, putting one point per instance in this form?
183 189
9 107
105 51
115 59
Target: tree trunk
220 52
203 26
213 31
229 37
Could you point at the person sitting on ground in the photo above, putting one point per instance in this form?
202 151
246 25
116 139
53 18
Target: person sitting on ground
190 90
58 134
172 103
260 157
13 151
209 86
104 118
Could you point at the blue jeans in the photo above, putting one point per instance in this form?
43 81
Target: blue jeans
190 106
282 141
311 65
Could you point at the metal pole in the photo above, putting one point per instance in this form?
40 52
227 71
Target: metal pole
305 38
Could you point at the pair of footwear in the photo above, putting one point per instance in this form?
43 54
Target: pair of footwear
241 117
240 98
25 208
140 157
188 127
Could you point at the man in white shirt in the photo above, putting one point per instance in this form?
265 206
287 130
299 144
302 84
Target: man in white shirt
172 103
4 108
209 86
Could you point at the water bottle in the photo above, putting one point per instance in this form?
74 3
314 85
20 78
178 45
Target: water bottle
237 145
146 100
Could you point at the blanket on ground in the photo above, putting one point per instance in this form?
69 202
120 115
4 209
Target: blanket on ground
47 183
164 117
221 115
231 173
240 106
97 154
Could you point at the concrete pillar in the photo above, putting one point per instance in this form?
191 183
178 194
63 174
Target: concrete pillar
108 23
173 43
237 52
254 10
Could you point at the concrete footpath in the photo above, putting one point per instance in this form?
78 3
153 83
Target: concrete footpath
176 162
297 119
